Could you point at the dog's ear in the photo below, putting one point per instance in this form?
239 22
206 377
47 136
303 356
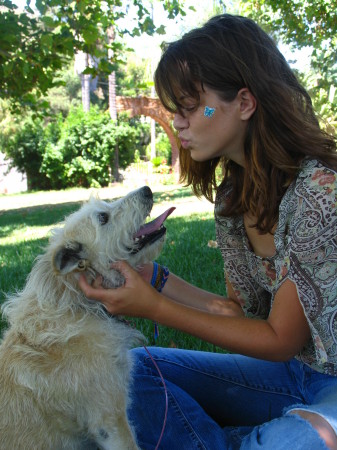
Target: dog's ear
70 258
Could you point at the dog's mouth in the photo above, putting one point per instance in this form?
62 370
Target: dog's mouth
151 231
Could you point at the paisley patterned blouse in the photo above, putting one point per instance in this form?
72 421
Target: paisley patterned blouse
306 254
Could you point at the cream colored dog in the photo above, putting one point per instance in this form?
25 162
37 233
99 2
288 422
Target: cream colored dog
64 364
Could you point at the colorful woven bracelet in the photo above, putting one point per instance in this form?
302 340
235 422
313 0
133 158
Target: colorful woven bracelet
164 276
160 275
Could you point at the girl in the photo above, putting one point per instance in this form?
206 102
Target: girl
236 102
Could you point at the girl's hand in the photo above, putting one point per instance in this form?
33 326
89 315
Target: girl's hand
135 298
146 272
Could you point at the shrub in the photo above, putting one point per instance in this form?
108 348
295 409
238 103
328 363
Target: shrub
163 146
84 155
76 151
158 161
25 149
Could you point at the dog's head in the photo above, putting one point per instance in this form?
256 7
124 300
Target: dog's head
102 233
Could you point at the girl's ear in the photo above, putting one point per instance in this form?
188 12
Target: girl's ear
248 103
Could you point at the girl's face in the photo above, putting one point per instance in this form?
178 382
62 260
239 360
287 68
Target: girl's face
214 127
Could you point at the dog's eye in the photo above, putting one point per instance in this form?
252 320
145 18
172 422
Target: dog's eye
103 218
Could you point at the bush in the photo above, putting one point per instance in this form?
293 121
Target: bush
163 146
76 151
25 149
158 161
84 154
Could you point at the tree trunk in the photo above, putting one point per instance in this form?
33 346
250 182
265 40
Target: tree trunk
85 81
112 96
112 103
153 132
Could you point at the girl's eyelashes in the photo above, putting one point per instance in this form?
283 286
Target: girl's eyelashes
188 108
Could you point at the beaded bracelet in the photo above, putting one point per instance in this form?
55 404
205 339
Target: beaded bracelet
160 275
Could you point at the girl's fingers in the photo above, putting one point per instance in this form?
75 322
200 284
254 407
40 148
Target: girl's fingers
97 282
123 267
146 272
130 274
88 290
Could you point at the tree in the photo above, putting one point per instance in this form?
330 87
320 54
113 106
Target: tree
68 94
302 23
37 43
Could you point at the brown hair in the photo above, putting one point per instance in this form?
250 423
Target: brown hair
227 54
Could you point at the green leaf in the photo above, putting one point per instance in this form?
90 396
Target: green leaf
49 21
135 32
7 68
107 67
161 30
41 7
90 35
89 71
148 26
47 41
29 10
80 5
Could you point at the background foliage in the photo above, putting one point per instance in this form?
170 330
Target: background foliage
37 43
75 151
306 24
57 145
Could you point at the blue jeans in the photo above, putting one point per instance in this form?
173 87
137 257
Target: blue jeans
225 401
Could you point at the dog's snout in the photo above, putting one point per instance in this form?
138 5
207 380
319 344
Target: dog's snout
146 192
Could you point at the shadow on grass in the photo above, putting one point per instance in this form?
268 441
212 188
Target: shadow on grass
42 215
51 214
186 253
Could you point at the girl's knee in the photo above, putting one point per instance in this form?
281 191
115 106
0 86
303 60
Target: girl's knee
144 361
289 431
323 427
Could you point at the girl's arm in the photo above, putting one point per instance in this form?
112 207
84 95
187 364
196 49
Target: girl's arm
278 338
185 293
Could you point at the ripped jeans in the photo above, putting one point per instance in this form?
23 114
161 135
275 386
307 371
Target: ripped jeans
224 401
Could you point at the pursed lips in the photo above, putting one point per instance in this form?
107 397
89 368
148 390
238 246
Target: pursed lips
184 142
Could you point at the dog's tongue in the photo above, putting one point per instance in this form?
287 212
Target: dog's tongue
150 227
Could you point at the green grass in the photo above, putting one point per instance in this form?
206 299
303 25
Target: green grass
24 234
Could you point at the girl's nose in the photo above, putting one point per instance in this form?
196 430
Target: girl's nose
180 122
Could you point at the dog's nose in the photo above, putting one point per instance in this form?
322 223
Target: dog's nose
146 192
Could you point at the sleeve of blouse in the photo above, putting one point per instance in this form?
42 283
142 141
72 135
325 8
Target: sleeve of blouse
313 243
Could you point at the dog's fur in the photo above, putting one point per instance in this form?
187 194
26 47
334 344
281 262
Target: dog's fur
64 365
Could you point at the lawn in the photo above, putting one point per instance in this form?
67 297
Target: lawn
24 233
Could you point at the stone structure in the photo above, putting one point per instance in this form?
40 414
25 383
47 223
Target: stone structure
147 106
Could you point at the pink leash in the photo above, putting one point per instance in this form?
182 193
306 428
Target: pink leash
166 397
